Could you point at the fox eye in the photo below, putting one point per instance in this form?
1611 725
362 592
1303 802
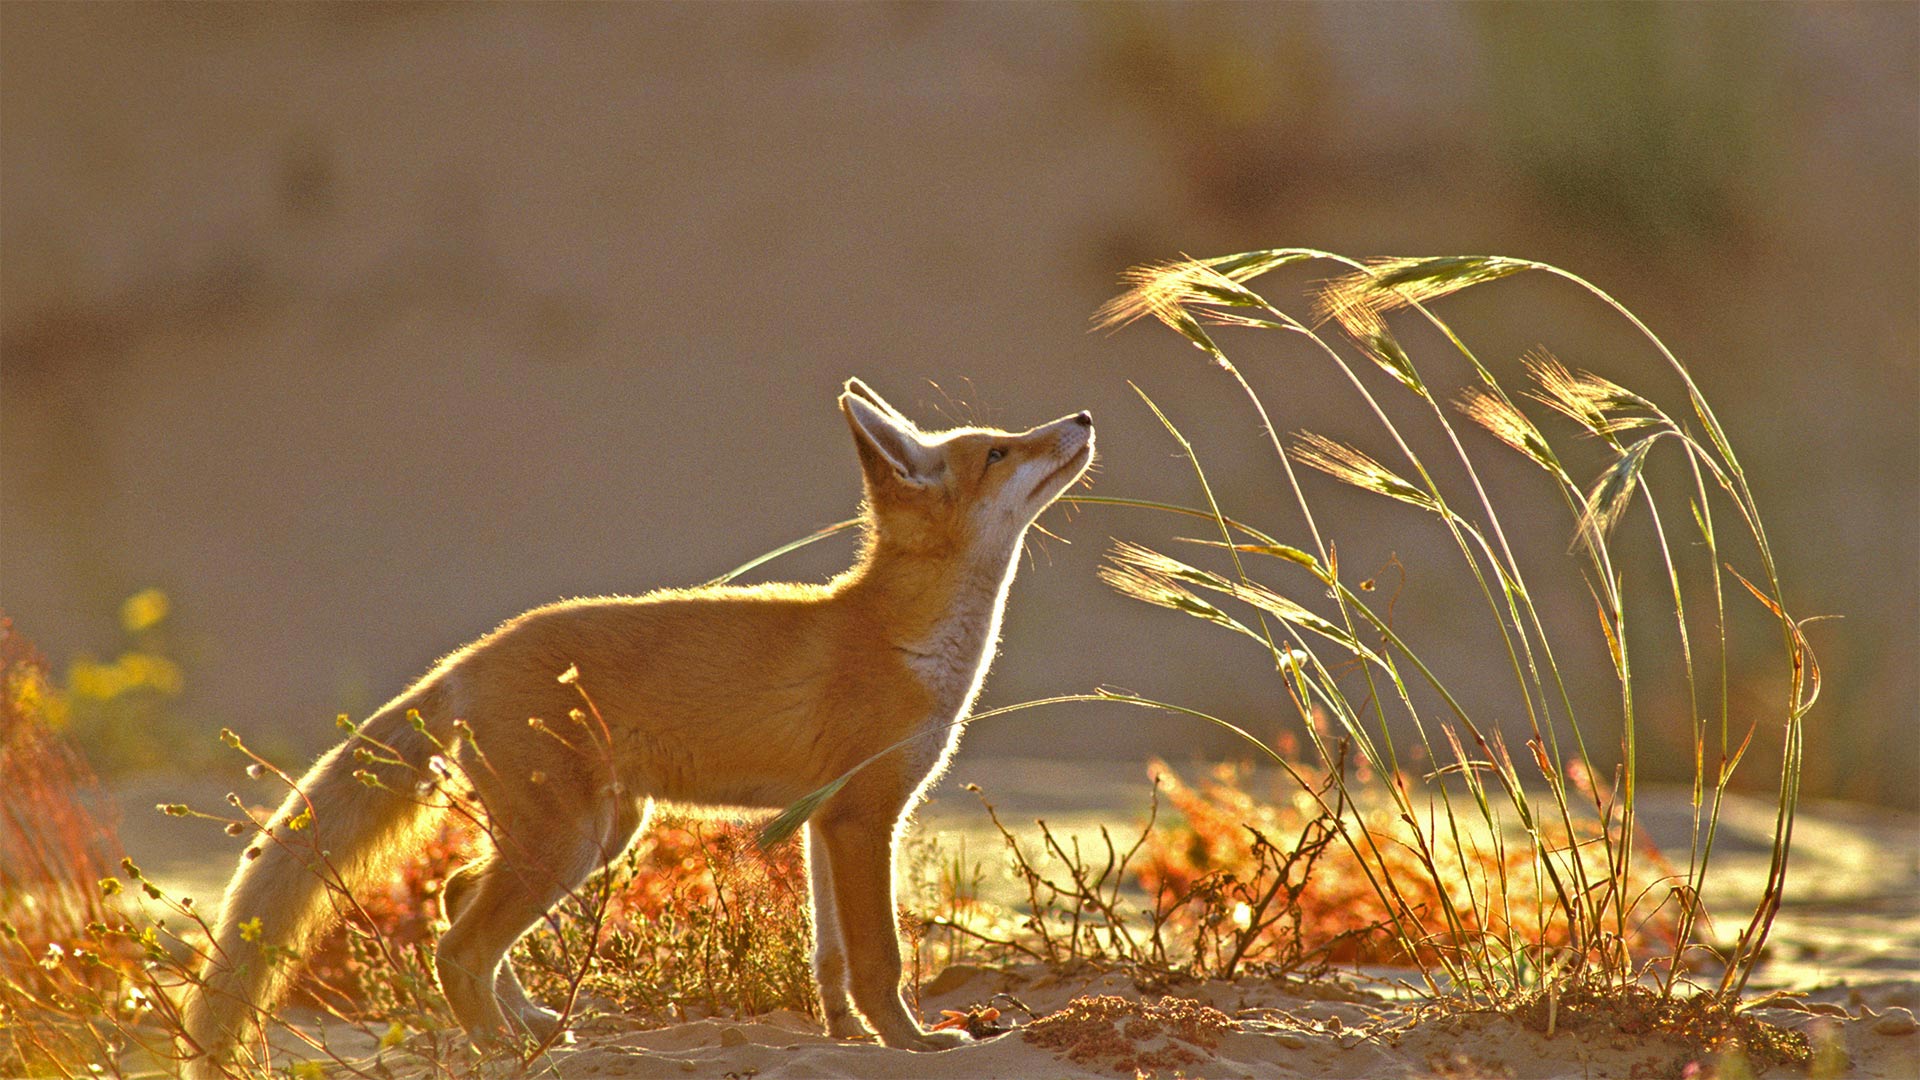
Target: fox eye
995 454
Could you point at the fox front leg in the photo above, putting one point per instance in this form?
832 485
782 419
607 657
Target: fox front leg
860 862
829 951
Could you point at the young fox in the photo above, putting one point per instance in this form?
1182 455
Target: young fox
721 695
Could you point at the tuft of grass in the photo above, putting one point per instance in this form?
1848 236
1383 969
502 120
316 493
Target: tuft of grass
695 920
1710 1024
1564 887
376 966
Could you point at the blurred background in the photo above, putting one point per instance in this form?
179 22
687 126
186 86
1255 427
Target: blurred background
332 335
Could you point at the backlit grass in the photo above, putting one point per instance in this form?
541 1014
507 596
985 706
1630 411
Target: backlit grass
1532 795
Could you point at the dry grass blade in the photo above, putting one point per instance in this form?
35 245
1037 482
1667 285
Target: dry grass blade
1161 290
813 537
1279 551
1162 591
1164 290
1384 350
1508 424
788 821
1351 466
1146 574
1143 564
1608 498
1359 300
1601 406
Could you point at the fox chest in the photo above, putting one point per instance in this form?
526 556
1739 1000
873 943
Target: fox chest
951 660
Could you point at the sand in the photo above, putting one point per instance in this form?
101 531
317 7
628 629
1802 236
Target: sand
1245 1029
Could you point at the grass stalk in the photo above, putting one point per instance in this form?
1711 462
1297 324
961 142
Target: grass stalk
1190 294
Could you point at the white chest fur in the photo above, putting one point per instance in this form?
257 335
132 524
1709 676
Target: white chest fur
952 658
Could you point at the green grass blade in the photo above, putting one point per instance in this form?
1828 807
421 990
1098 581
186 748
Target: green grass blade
791 546
789 820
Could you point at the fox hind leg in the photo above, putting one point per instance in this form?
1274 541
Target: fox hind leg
492 903
536 1020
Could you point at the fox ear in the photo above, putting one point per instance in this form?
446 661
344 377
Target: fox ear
862 390
888 443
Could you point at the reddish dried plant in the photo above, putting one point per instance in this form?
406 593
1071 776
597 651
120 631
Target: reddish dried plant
54 849
699 917
56 894
691 861
1490 893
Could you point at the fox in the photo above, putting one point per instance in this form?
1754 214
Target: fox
722 696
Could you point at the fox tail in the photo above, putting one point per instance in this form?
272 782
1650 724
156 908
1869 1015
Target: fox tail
338 827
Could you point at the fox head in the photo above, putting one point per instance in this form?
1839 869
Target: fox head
966 491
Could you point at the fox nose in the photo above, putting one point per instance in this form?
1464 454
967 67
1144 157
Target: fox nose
1083 418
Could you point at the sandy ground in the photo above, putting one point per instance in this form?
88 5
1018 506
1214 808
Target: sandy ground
1848 945
1246 1030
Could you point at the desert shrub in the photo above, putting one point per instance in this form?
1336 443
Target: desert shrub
693 919
1321 900
62 969
377 964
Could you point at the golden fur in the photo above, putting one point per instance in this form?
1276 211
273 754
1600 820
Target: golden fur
723 695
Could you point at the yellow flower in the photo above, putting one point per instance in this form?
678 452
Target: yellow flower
143 610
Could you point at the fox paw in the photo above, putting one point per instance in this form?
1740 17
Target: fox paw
938 1040
541 1024
845 1025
